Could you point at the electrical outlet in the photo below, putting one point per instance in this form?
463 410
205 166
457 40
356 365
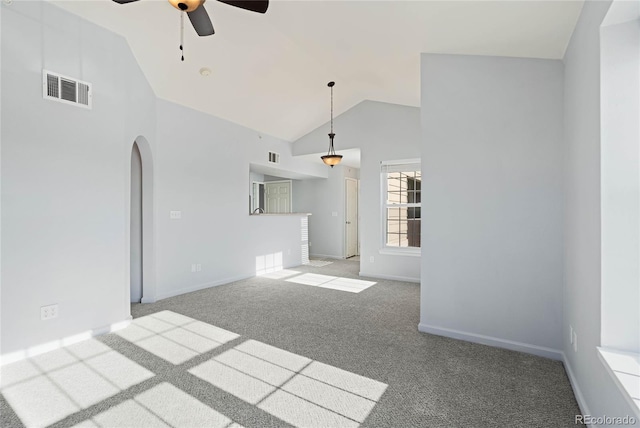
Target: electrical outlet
570 334
193 267
575 342
334 214
289 252
48 312
198 267
370 259
175 215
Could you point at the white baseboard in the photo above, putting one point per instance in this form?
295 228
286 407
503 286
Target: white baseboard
32 351
582 403
197 287
541 351
184 290
391 277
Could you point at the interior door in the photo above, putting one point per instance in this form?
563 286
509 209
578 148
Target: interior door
351 217
278 197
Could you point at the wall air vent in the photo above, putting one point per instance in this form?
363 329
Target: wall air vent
274 157
66 89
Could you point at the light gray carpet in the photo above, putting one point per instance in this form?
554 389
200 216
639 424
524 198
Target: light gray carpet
318 263
432 381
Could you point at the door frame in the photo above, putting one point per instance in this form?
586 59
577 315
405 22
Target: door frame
346 196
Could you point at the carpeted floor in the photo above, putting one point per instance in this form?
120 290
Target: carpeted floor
358 354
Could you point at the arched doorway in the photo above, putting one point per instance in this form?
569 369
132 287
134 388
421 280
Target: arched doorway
135 249
142 249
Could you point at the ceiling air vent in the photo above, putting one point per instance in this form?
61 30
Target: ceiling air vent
66 89
274 157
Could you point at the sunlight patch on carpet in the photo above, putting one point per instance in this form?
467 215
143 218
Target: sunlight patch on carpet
332 282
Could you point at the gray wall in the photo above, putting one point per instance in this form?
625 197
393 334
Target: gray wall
322 198
203 171
620 166
382 132
595 390
66 185
65 175
492 186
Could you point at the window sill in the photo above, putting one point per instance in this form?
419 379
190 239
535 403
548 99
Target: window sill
400 251
624 368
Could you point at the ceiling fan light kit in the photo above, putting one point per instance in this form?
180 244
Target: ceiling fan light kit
331 158
186 5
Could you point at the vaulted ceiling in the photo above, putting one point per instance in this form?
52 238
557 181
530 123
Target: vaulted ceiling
269 72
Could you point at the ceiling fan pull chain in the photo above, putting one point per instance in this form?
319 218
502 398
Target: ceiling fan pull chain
182 34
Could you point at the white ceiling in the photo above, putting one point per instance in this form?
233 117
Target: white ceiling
269 72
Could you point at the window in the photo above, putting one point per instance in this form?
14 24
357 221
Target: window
401 200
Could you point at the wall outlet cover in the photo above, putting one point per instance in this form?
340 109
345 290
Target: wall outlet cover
48 312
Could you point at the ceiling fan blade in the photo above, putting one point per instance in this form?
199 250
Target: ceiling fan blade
201 22
124 1
259 6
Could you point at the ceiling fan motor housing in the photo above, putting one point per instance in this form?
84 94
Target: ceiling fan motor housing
186 5
200 18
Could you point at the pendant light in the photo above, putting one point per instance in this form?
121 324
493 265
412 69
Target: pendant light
331 158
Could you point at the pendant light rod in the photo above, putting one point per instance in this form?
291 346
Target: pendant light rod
331 84
331 158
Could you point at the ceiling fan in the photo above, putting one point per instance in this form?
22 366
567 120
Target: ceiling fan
198 14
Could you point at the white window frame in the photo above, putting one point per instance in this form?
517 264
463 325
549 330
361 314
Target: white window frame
412 165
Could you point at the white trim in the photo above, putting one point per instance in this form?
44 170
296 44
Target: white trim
391 277
611 371
66 341
582 403
383 201
255 205
197 287
401 251
346 244
542 351
401 161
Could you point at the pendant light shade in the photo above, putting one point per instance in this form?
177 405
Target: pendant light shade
331 158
